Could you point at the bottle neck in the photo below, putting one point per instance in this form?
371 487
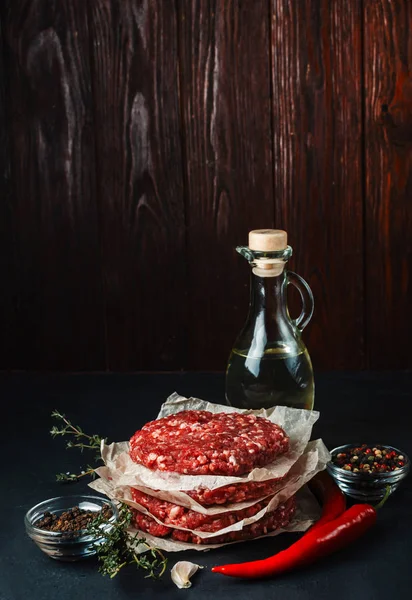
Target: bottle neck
267 313
266 294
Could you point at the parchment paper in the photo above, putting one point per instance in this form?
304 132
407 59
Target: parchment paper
296 422
294 469
313 460
307 511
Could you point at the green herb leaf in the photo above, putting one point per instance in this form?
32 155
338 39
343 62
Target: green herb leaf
79 440
119 548
66 477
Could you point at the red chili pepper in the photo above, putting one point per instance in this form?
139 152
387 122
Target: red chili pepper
330 496
319 541
322 541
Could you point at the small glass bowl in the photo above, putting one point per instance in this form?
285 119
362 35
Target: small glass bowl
367 487
67 546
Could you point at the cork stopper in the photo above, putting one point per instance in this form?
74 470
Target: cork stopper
268 240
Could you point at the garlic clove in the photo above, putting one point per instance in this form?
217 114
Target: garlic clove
182 572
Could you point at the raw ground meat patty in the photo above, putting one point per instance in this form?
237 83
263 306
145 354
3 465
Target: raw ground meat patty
198 442
236 492
270 522
180 516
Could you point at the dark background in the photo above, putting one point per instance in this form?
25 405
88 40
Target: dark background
141 140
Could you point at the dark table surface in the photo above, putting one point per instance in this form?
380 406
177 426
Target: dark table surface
363 406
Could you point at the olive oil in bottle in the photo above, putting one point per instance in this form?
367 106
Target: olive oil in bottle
279 377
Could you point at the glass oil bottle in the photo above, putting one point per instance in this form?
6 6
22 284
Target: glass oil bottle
269 364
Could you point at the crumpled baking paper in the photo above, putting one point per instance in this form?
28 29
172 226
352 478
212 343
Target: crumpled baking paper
307 511
313 460
297 423
294 469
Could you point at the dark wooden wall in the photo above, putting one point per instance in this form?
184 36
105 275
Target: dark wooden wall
140 140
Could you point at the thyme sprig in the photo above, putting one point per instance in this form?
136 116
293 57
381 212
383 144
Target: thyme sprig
82 441
93 441
119 548
72 477
116 547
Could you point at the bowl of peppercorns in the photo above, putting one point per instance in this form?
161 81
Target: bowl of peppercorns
366 471
70 528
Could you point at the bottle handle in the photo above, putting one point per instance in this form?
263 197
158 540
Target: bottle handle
307 299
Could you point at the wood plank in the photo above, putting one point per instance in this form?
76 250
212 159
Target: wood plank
135 83
57 292
7 317
317 115
225 96
388 131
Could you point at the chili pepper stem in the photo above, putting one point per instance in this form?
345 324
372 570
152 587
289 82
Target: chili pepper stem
384 499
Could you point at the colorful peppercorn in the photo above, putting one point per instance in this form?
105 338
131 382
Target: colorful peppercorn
369 459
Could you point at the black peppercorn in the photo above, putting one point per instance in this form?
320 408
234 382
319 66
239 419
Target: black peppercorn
73 520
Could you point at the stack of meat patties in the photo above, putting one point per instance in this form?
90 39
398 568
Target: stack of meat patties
198 442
